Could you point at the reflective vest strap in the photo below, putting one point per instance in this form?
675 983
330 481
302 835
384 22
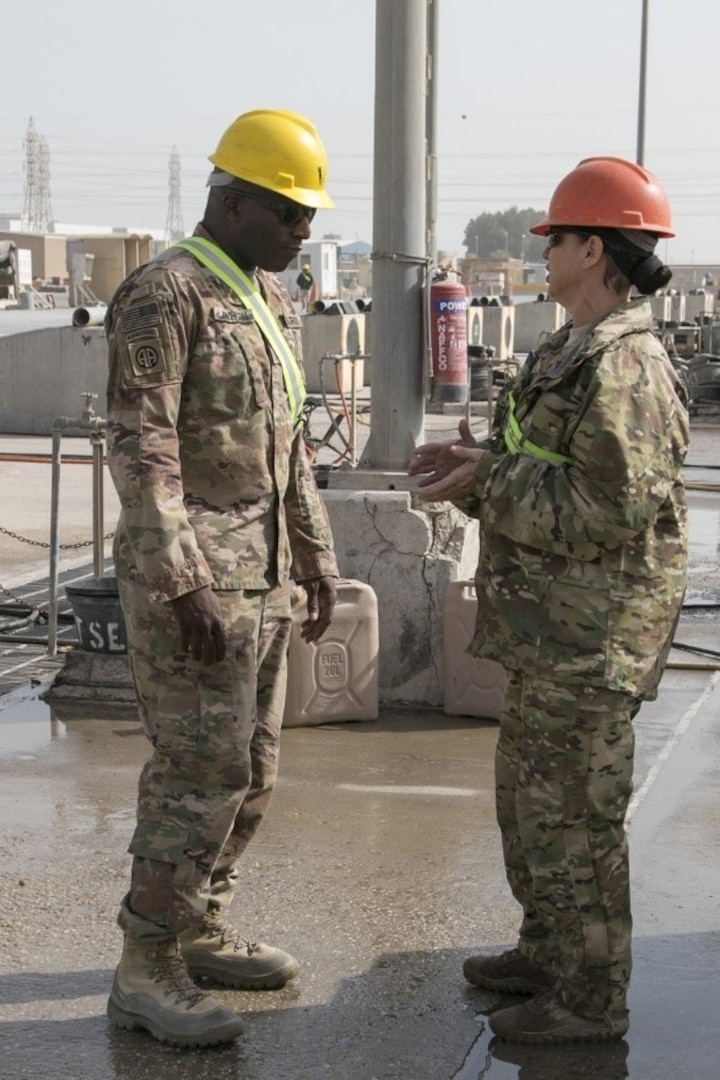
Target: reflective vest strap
211 256
518 444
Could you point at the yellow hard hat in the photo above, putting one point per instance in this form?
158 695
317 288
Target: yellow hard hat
277 150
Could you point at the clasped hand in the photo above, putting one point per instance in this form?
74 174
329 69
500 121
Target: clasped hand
447 468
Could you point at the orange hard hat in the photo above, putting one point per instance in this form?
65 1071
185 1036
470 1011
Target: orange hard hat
609 193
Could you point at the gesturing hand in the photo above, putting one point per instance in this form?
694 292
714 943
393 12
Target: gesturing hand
453 483
446 469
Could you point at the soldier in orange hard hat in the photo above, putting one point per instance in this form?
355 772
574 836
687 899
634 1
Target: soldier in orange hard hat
583 561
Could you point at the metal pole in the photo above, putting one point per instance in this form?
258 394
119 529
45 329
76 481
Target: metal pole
433 19
87 422
399 234
98 444
54 542
490 410
643 77
431 125
353 412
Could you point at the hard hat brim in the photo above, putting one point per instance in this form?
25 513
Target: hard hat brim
546 226
317 200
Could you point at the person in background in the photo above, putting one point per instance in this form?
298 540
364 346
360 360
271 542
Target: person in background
582 568
304 282
219 511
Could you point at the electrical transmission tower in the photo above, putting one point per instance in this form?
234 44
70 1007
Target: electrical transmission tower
174 228
37 215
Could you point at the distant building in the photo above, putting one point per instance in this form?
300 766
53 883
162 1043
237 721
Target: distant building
491 277
322 256
105 257
695 276
13 223
355 269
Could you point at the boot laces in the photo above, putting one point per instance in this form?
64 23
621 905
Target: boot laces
216 926
544 1003
172 971
512 954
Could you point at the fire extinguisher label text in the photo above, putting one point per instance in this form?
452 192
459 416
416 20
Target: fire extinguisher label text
443 306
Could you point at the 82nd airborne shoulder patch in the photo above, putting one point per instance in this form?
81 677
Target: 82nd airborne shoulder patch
146 344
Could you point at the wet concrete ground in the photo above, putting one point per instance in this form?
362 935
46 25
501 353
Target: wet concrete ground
379 866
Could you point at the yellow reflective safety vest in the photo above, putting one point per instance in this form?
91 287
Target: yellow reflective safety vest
516 442
223 267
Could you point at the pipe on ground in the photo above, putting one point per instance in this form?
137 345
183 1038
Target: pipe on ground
89 316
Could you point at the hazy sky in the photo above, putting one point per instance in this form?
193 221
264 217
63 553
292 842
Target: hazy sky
526 89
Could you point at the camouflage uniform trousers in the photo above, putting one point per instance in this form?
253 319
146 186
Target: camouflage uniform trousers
563 773
215 732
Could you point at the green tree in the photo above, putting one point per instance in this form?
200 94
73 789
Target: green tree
505 234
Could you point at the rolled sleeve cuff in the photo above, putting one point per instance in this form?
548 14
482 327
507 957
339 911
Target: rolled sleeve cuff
484 467
320 564
470 504
175 581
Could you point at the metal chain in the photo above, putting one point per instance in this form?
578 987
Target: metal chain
42 611
44 544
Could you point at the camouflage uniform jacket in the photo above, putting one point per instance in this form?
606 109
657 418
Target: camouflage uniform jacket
215 487
582 565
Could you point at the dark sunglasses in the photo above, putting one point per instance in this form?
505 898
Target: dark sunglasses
290 214
554 237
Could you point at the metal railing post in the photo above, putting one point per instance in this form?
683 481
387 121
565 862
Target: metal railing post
54 541
98 444
96 425
353 412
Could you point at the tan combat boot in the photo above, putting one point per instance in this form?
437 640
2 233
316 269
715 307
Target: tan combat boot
153 990
545 1020
216 950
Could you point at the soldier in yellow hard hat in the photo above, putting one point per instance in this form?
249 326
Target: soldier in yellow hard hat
304 282
220 511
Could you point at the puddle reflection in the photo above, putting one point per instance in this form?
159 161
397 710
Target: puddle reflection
27 728
704 528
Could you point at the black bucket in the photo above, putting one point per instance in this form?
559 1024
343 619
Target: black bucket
100 624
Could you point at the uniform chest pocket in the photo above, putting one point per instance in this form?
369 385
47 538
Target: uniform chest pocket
227 380
258 375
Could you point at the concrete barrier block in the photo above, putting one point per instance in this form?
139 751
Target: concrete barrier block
661 308
408 557
332 335
499 330
534 322
44 374
475 326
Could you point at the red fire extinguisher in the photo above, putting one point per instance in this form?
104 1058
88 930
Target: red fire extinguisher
448 341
